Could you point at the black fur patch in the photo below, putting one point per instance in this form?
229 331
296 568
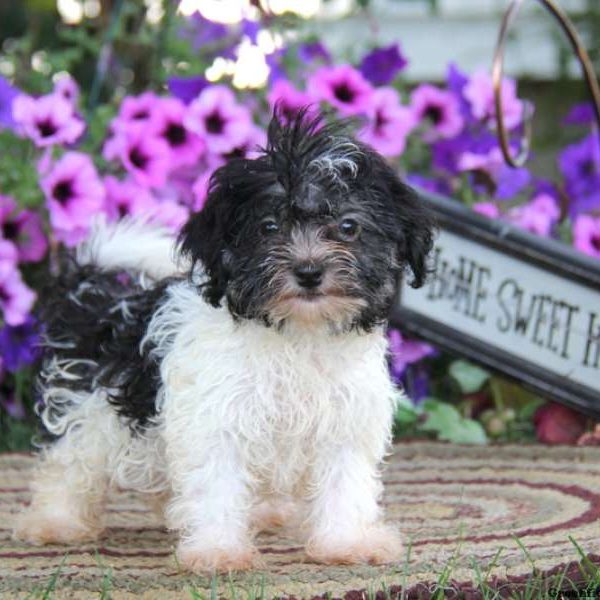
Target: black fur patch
101 318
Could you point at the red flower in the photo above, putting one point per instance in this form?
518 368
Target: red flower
557 424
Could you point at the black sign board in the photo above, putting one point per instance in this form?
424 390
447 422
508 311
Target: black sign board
523 305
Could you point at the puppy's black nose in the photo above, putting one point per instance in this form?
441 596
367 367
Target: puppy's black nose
308 275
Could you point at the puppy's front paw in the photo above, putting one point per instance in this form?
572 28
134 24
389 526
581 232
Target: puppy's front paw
377 545
220 560
39 528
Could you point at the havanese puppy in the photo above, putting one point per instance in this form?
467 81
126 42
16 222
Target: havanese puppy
247 379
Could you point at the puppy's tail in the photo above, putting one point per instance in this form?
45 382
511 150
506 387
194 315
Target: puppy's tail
132 245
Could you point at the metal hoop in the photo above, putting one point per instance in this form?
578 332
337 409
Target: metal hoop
497 73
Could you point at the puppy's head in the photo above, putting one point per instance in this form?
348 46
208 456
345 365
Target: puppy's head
317 230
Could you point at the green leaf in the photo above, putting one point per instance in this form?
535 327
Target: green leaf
469 377
406 412
444 420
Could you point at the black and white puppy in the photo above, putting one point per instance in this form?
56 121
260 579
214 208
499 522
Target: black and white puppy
252 388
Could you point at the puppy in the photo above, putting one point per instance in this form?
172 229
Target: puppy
247 380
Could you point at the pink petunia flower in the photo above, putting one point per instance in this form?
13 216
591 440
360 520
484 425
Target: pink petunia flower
74 195
218 119
288 99
168 120
24 229
200 190
487 209
586 232
67 88
389 123
439 109
16 299
136 109
538 216
127 198
405 352
248 147
145 156
343 87
479 92
47 120
170 214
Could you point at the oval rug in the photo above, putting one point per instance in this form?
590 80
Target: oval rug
499 512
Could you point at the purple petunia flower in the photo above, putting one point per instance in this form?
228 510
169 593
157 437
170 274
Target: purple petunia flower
581 114
586 232
494 174
186 88
288 99
135 110
19 345
389 123
580 165
435 186
538 216
343 87
479 92
168 120
381 65
205 31
24 229
405 352
47 120
7 94
218 119
438 110
311 51
74 196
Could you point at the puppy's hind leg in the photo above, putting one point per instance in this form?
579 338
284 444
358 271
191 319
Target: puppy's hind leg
70 482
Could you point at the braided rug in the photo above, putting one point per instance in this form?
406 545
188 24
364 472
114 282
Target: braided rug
456 505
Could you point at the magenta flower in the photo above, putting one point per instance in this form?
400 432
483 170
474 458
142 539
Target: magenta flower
186 147
67 88
381 65
47 120
24 229
200 190
479 92
287 98
405 352
389 123
136 109
74 196
487 209
218 119
586 232
343 87
538 216
248 147
127 198
439 110
170 214
16 299
147 157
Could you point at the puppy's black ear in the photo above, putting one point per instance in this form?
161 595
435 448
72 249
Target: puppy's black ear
413 222
204 240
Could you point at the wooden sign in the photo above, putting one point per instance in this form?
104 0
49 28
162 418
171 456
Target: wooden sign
523 305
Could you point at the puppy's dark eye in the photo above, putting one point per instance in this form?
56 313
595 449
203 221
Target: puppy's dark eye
269 226
349 229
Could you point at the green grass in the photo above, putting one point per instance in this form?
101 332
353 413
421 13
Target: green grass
537 587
